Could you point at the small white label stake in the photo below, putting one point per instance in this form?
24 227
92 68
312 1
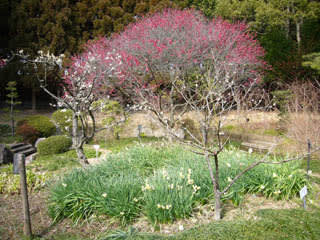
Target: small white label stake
303 194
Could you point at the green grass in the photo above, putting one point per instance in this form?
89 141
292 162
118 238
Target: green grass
10 139
314 164
293 224
119 145
60 236
272 225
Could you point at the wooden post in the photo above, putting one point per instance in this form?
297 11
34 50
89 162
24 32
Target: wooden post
24 194
308 162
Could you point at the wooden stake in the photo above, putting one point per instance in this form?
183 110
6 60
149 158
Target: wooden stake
24 194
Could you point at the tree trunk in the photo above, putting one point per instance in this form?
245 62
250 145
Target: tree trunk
76 141
58 95
288 24
216 190
217 206
12 117
34 99
81 156
75 134
298 29
217 194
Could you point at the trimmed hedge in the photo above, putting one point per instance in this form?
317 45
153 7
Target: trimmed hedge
54 145
42 124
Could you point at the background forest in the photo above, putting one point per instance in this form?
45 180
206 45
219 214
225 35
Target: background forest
288 30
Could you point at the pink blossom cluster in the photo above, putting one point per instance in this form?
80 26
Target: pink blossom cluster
178 42
2 62
148 54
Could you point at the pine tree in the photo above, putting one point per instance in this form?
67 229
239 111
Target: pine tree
12 101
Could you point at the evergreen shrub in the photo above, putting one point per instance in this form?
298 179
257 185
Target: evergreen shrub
40 123
63 120
54 145
5 129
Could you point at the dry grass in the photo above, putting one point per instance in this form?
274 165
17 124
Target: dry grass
303 126
11 220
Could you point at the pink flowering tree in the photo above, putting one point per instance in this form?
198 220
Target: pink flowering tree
177 61
2 62
81 83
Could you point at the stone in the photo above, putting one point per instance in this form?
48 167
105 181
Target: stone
31 158
5 155
179 133
38 141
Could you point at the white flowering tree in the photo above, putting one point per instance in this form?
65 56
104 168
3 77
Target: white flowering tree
81 84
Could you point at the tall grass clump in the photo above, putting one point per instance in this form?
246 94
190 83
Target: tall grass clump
278 181
164 184
83 193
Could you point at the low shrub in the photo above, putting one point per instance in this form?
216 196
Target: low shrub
40 123
28 133
63 120
54 145
5 129
165 184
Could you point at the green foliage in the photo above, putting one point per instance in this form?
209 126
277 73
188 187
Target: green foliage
83 193
40 123
164 184
4 129
63 26
60 162
12 101
169 195
313 61
54 145
112 111
13 94
120 234
271 224
281 98
56 162
10 183
118 145
63 119
275 23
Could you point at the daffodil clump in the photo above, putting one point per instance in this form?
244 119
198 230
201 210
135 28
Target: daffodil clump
165 184
168 195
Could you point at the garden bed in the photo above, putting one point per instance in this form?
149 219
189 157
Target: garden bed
148 161
164 184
